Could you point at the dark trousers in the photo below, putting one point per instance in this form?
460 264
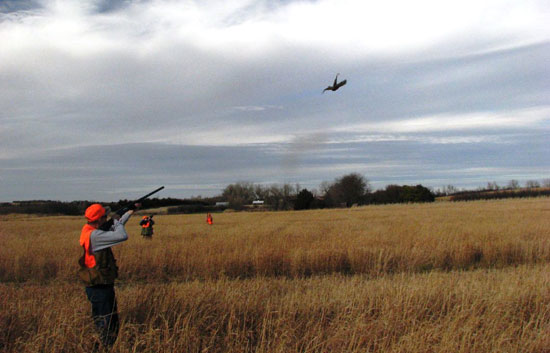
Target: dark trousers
104 312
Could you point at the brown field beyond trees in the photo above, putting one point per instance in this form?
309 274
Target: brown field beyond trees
441 277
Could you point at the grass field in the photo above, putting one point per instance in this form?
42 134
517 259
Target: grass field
441 277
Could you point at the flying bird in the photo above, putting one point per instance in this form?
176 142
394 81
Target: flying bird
335 85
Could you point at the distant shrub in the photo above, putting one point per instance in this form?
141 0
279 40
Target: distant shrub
196 208
44 207
504 194
400 194
303 200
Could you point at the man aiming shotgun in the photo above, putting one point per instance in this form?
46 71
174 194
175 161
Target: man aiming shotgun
118 213
98 269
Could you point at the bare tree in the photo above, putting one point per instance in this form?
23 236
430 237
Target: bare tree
513 184
449 189
324 187
546 183
239 194
531 184
279 197
260 192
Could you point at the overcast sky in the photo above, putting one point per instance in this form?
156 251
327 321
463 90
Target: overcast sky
103 100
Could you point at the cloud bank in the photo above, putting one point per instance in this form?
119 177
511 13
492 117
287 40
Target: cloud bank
99 99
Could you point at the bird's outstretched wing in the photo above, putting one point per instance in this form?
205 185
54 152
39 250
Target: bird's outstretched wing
340 84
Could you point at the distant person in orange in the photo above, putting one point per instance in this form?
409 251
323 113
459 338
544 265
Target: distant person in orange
209 219
98 268
146 224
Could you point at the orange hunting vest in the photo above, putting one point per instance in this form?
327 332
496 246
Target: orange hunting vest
145 225
89 259
102 263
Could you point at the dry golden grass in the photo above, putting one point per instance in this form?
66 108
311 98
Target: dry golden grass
368 240
443 277
475 311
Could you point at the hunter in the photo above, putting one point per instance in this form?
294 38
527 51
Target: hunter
98 268
146 224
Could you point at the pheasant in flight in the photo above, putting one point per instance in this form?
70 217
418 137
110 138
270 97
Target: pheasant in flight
335 85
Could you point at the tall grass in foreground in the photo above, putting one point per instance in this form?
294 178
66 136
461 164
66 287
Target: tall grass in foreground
374 240
475 311
444 277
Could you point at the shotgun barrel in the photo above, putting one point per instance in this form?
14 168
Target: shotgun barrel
107 225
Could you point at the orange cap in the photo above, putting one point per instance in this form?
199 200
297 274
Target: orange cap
94 212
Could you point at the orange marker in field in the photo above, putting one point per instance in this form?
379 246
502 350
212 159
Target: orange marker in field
209 219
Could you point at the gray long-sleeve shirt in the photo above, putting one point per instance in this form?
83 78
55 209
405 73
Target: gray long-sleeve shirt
101 239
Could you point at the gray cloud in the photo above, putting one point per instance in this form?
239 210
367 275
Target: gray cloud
196 96
133 168
10 6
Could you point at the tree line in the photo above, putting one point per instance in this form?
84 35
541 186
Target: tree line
513 184
346 191
501 194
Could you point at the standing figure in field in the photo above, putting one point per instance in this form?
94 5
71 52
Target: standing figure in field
146 224
335 85
98 269
209 219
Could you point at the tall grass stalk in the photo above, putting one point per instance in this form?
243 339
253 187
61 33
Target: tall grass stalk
458 311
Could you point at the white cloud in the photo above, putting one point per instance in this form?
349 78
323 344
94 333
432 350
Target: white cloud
256 108
525 118
237 136
443 140
347 28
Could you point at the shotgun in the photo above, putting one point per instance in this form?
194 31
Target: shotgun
107 225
